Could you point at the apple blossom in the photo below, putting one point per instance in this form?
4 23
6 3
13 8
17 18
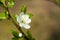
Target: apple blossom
24 20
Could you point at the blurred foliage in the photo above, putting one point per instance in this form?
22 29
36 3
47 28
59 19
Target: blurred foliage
15 16
14 38
30 15
10 3
3 1
4 15
15 34
58 2
30 35
23 9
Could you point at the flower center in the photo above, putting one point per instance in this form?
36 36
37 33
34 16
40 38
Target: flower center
23 21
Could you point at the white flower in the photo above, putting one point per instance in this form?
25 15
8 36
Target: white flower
24 20
20 34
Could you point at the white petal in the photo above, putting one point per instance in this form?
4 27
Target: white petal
22 13
21 24
20 16
18 19
25 17
27 26
28 21
20 34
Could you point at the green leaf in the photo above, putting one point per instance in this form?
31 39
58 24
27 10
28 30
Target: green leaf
3 1
30 35
23 9
15 34
15 38
3 15
6 14
30 15
15 16
10 3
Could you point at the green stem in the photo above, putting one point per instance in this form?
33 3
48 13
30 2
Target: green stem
16 24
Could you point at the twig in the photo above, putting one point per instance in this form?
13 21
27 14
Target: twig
17 26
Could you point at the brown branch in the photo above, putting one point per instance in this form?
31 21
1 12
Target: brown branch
14 21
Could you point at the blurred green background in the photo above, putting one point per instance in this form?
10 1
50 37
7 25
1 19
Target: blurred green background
45 23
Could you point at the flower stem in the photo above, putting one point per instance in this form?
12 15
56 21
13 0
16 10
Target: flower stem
15 23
